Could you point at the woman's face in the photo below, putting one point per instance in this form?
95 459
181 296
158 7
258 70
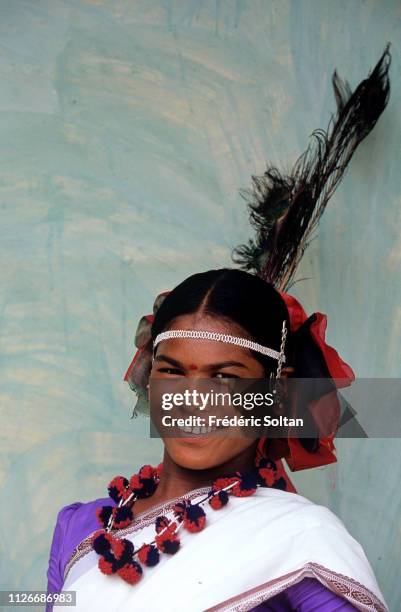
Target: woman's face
187 357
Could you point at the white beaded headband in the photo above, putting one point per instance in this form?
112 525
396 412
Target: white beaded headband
206 335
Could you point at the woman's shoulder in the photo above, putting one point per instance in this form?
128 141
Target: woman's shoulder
79 510
295 510
316 538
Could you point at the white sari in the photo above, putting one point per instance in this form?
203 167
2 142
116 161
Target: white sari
250 550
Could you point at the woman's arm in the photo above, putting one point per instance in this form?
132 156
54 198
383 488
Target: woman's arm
74 523
55 578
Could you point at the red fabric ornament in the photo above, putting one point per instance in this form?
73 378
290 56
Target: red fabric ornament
218 500
119 488
147 471
291 449
194 518
148 554
135 482
245 486
116 554
130 572
123 517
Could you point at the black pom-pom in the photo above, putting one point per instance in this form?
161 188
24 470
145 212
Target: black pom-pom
219 499
149 555
194 512
152 557
117 488
248 481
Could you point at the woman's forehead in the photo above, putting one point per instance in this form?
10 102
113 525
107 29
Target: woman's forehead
196 352
207 322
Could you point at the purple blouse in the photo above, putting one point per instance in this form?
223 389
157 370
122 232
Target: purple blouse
76 521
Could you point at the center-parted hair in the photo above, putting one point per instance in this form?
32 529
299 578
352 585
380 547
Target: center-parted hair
233 296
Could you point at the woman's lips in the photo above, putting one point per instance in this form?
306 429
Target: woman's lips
196 430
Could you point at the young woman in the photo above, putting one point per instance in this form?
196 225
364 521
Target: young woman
257 543
264 548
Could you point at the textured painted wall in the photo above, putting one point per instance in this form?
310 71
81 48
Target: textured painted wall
126 129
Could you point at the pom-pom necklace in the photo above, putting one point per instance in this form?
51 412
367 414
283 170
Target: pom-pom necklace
119 556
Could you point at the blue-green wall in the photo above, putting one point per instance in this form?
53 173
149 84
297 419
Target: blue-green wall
127 128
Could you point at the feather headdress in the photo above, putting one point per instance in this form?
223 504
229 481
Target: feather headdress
285 209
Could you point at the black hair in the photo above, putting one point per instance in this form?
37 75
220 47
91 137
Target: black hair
236 296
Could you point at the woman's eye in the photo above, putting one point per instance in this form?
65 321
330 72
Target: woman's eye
225 375
170 370
177 372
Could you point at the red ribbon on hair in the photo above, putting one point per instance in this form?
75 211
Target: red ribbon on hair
291 449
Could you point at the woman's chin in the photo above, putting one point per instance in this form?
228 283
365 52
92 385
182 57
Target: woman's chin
195 453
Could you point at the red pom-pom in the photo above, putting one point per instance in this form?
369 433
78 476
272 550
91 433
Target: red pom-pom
215 502
105 566
168 545
135 482
194 518
246 485
148 555
143 553
146 471
218 500
130 572
118 488
195 526
122 517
